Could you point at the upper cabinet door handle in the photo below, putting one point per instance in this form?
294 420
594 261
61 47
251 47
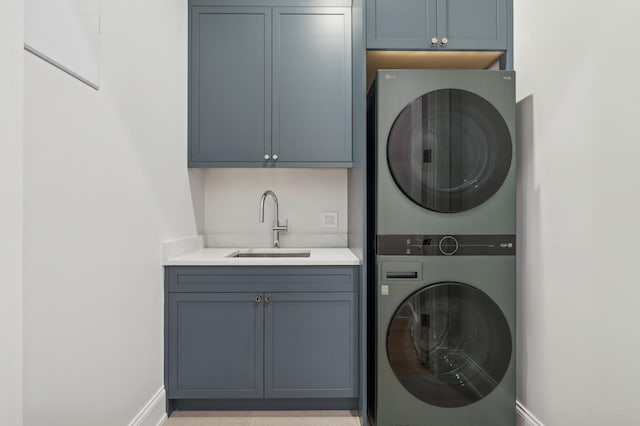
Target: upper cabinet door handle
444 41
275 157
434 41
266 157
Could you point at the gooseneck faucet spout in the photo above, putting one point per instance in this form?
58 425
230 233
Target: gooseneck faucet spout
275 204
276 221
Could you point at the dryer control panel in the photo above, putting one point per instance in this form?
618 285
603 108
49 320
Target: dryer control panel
446 245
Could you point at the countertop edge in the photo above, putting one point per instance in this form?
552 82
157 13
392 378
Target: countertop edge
218 257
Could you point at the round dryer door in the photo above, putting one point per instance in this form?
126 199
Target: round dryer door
449 150
449 344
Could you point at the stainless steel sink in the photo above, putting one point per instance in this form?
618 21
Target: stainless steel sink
271 253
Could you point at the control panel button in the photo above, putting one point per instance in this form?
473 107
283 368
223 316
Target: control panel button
448 245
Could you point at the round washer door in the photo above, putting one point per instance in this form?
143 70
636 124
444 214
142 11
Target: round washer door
449 150
449 344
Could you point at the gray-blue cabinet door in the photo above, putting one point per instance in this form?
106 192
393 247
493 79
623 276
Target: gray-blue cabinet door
473 24
401 24
216 345
311 85
454 24
311 345
230 86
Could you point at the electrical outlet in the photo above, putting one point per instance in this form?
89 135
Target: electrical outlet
329 219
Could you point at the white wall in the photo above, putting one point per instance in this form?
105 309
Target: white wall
578 68
232 199
11 192
105 182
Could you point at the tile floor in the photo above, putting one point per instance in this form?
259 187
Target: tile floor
263 418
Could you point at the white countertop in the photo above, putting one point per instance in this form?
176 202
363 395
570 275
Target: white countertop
218 257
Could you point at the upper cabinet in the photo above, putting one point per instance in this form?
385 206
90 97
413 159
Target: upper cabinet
270 86
311 85
230 85
438 24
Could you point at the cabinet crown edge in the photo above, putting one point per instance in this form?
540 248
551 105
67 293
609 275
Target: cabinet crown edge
272 3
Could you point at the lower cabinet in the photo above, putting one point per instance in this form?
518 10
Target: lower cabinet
310 348
277 335
215 345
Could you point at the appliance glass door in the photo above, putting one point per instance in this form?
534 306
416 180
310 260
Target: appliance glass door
449 150
449 344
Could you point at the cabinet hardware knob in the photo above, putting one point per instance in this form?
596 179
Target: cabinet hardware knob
434 41
266 156
267 298
275 157
444 41
258 298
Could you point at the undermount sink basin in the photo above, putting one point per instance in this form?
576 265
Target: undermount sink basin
271 253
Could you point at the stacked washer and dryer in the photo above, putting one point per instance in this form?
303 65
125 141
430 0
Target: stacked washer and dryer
442 224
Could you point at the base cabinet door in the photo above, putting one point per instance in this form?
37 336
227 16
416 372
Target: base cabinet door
215 345
310 345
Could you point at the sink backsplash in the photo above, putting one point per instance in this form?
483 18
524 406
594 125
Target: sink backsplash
286 240
231 206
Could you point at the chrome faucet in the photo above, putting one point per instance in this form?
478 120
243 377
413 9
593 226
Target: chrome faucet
276 222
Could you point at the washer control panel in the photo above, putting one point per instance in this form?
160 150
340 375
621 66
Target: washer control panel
446 245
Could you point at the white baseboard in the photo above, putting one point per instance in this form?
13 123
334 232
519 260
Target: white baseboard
153 413
526 416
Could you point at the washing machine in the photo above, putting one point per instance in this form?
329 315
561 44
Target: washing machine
441 227
445 341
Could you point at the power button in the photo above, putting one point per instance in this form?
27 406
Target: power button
448 245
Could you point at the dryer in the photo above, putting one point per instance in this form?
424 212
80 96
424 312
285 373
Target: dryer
445 149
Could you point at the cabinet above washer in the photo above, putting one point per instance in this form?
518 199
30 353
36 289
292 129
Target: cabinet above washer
269 86
439 24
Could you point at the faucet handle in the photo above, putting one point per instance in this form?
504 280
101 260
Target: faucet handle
278 227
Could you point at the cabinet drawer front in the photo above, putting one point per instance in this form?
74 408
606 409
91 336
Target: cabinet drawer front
215 345
262 278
